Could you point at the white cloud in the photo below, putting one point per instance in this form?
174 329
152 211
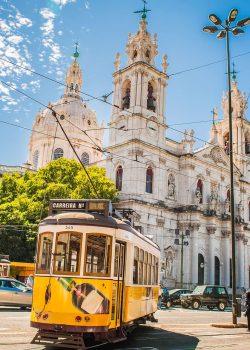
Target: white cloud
15 39
87 5
63 2
60 32
48 36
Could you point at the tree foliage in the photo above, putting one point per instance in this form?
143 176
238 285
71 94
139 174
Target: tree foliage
24 200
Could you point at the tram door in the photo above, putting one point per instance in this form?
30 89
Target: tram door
118 283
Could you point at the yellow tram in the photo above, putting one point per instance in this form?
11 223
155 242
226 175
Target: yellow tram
96 277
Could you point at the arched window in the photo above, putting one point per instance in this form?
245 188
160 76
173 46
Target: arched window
85 158
201 267
118 180
216 271
35 159
249 211
151 99
71 87
199 191
76 89
149 180
58 153
126 94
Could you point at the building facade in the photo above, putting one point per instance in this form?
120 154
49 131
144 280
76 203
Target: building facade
178 196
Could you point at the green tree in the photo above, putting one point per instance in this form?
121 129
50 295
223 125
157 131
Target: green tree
24 200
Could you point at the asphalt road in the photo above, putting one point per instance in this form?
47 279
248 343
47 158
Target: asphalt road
177 329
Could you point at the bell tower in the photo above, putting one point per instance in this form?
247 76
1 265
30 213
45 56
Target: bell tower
73 79
139 90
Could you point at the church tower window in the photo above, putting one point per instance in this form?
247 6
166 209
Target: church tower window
228 201
135 54
149 180
35 160
58 153
118 180
249 211
126 94
151 99
71 87
76 89
85 158
247 143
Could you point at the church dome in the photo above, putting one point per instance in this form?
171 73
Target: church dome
80 123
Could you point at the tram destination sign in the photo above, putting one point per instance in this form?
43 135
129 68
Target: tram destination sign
82 205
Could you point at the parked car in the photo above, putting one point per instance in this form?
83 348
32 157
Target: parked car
14 293
207 295
174 297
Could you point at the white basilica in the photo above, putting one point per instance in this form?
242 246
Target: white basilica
177 195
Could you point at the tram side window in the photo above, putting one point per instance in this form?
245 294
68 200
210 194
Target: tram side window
145 265
98 255
149 268
67 252
156 270
141 260
153 270
136 265
44 252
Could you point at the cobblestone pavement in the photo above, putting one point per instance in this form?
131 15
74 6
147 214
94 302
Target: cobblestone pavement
177 329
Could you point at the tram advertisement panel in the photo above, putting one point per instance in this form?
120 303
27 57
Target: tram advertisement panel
65 295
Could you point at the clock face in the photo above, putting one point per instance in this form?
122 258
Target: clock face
152 128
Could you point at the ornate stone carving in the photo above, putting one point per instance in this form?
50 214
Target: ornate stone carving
217 155
164 63
211 229
225 233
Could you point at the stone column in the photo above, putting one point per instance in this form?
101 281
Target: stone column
133 90
240 260
246 264
138 87
210 268
194 260
226 256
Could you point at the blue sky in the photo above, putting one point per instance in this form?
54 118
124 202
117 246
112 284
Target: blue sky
40 35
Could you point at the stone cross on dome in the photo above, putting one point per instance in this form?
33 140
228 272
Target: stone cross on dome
143 11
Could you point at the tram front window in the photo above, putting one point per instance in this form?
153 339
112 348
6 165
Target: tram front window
67 253
98 251
44 252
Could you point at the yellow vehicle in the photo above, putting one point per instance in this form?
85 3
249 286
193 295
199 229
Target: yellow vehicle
96 277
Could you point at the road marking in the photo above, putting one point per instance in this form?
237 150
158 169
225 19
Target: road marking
5 333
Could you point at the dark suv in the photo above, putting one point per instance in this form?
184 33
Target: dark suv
174 297
210 296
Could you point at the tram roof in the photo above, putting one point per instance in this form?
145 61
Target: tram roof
92 219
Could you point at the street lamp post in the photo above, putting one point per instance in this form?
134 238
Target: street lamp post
182 243
224 33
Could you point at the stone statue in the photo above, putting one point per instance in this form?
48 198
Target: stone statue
198 196
169 264
117 62
164 63
213 200
227 206
171 186
126 99
151 98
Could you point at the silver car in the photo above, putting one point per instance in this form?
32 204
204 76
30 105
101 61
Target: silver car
14 293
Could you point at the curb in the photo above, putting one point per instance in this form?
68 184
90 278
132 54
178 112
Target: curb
228 325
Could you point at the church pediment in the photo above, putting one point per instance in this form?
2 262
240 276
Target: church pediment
216 155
